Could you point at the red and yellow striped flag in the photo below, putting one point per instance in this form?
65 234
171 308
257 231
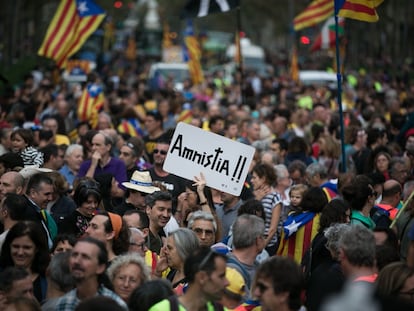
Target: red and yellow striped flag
316 12
363 10
90 103
73 23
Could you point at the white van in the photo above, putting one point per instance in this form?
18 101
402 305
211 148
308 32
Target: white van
163 71
316 77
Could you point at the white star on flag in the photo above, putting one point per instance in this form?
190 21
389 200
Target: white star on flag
293 227
82 8
94 88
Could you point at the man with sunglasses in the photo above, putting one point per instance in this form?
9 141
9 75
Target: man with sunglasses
174 184
205 271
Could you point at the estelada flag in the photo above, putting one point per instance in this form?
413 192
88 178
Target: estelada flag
192 54
72 24
130 126
90 104
363 10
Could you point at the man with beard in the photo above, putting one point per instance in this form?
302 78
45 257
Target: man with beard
87 264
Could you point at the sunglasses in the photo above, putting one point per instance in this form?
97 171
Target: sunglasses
163 152
129 145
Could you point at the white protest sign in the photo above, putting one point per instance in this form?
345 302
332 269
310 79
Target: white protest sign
224 162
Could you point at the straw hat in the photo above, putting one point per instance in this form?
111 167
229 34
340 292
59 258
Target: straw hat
141 181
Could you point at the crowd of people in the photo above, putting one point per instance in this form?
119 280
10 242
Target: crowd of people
92 220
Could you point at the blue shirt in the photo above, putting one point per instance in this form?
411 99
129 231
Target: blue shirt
68 174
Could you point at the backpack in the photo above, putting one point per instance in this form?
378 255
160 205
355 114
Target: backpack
174 304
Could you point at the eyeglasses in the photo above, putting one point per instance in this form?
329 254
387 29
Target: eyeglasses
129 280
163 152
140 245
199 231
374 193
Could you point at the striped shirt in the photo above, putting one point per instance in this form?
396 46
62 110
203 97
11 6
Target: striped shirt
269 202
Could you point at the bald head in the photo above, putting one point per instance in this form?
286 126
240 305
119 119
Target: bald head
392 192
11 182
391 187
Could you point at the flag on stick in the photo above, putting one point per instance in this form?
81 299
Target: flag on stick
200 8
363 10
192 54
316 12
294 66
90 103
73 23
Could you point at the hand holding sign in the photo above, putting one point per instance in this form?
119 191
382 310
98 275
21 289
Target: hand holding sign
200 182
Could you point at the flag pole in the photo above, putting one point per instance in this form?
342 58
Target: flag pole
239 52
339 93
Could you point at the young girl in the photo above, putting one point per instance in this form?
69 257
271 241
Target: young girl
22 143
296 196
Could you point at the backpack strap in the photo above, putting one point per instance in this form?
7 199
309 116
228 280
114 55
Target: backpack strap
232 262
43 286
173 303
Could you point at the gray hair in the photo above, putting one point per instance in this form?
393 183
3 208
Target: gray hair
135 230
126 259
72 148
317 168
246 229
186 242
358 245
332 235
59 273
408 188
201 215
281 171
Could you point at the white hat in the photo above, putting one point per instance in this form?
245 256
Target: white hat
30 170
141 181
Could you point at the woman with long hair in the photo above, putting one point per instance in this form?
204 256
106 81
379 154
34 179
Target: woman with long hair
263 181
26 247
